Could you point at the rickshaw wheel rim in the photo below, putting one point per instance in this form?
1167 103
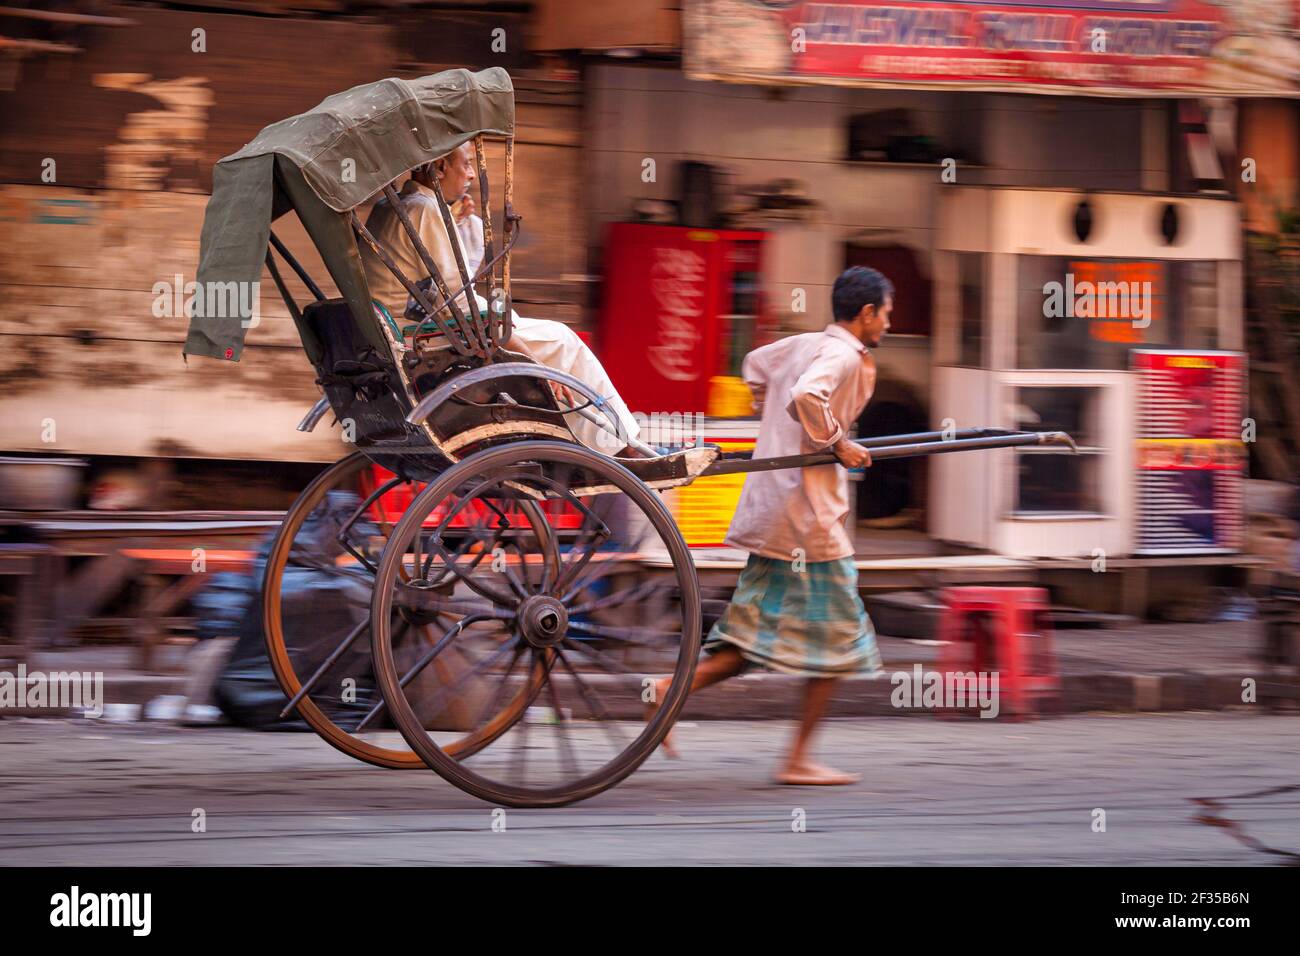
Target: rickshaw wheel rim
403 715
282 665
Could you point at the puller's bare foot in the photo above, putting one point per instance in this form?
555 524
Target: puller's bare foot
808 774
661 688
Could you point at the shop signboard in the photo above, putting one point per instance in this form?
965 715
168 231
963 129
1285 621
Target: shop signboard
1108 47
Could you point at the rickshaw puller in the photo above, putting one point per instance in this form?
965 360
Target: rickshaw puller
548 343
796 607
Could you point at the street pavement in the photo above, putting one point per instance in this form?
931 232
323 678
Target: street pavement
933 792
1143 667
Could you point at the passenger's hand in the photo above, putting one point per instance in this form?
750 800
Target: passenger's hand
851 454
465 208
562 393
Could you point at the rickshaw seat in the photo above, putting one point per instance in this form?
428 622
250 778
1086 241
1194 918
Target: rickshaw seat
354 370
334 325
420 323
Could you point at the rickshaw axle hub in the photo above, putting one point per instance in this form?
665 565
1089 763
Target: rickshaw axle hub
543 620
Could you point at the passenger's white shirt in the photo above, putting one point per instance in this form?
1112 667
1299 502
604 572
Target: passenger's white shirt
421 207
471 240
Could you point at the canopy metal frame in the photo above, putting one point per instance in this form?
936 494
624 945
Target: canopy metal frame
467 331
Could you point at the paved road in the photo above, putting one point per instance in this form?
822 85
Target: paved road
933 792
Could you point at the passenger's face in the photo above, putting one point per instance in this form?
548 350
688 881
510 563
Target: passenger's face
457 172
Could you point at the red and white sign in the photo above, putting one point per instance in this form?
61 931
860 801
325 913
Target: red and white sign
671 294
1120 47
1191 458
678 285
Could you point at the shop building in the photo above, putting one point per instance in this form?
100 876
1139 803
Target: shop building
995 201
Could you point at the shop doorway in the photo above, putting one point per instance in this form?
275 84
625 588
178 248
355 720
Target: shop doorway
893 489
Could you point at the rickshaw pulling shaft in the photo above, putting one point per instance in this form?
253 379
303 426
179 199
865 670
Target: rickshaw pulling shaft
883 447
896 446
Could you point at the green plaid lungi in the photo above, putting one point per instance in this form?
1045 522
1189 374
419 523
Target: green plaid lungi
808 622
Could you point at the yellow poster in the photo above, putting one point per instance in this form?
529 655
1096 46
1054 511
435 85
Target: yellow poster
704 508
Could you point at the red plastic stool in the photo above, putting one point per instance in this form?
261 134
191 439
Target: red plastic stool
1005 631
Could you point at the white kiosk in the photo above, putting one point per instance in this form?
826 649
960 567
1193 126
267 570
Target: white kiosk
1116 317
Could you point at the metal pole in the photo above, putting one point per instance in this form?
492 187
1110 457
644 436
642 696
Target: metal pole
509 225
489 244
415 291
880 441
733 466
296 266
467 283
395 201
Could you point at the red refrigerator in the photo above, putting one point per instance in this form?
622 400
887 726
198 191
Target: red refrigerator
681 308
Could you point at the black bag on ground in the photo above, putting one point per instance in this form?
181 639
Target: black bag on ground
320 604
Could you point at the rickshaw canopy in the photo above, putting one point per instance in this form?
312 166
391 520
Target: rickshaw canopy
323 163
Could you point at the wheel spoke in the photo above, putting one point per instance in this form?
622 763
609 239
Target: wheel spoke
442 578
502 529
433 602
621 634
574 568
525 581
487 591
424 660
521 749
329 662
552 560
562 730
592 525
594 705
435 703
332 570
593 574
491 707
415 549
627 596
609 667
342 537
594 534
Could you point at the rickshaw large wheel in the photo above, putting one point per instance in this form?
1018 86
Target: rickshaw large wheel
558 608
346 476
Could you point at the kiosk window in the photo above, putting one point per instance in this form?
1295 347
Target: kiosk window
1089 313
1051 480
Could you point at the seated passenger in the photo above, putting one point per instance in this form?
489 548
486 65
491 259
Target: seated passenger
548 343
470 227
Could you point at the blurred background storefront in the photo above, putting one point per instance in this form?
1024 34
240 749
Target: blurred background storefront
976 156
693 175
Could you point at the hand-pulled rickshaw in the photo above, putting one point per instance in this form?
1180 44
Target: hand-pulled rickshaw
517 580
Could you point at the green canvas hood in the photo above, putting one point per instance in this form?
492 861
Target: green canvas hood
323 163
